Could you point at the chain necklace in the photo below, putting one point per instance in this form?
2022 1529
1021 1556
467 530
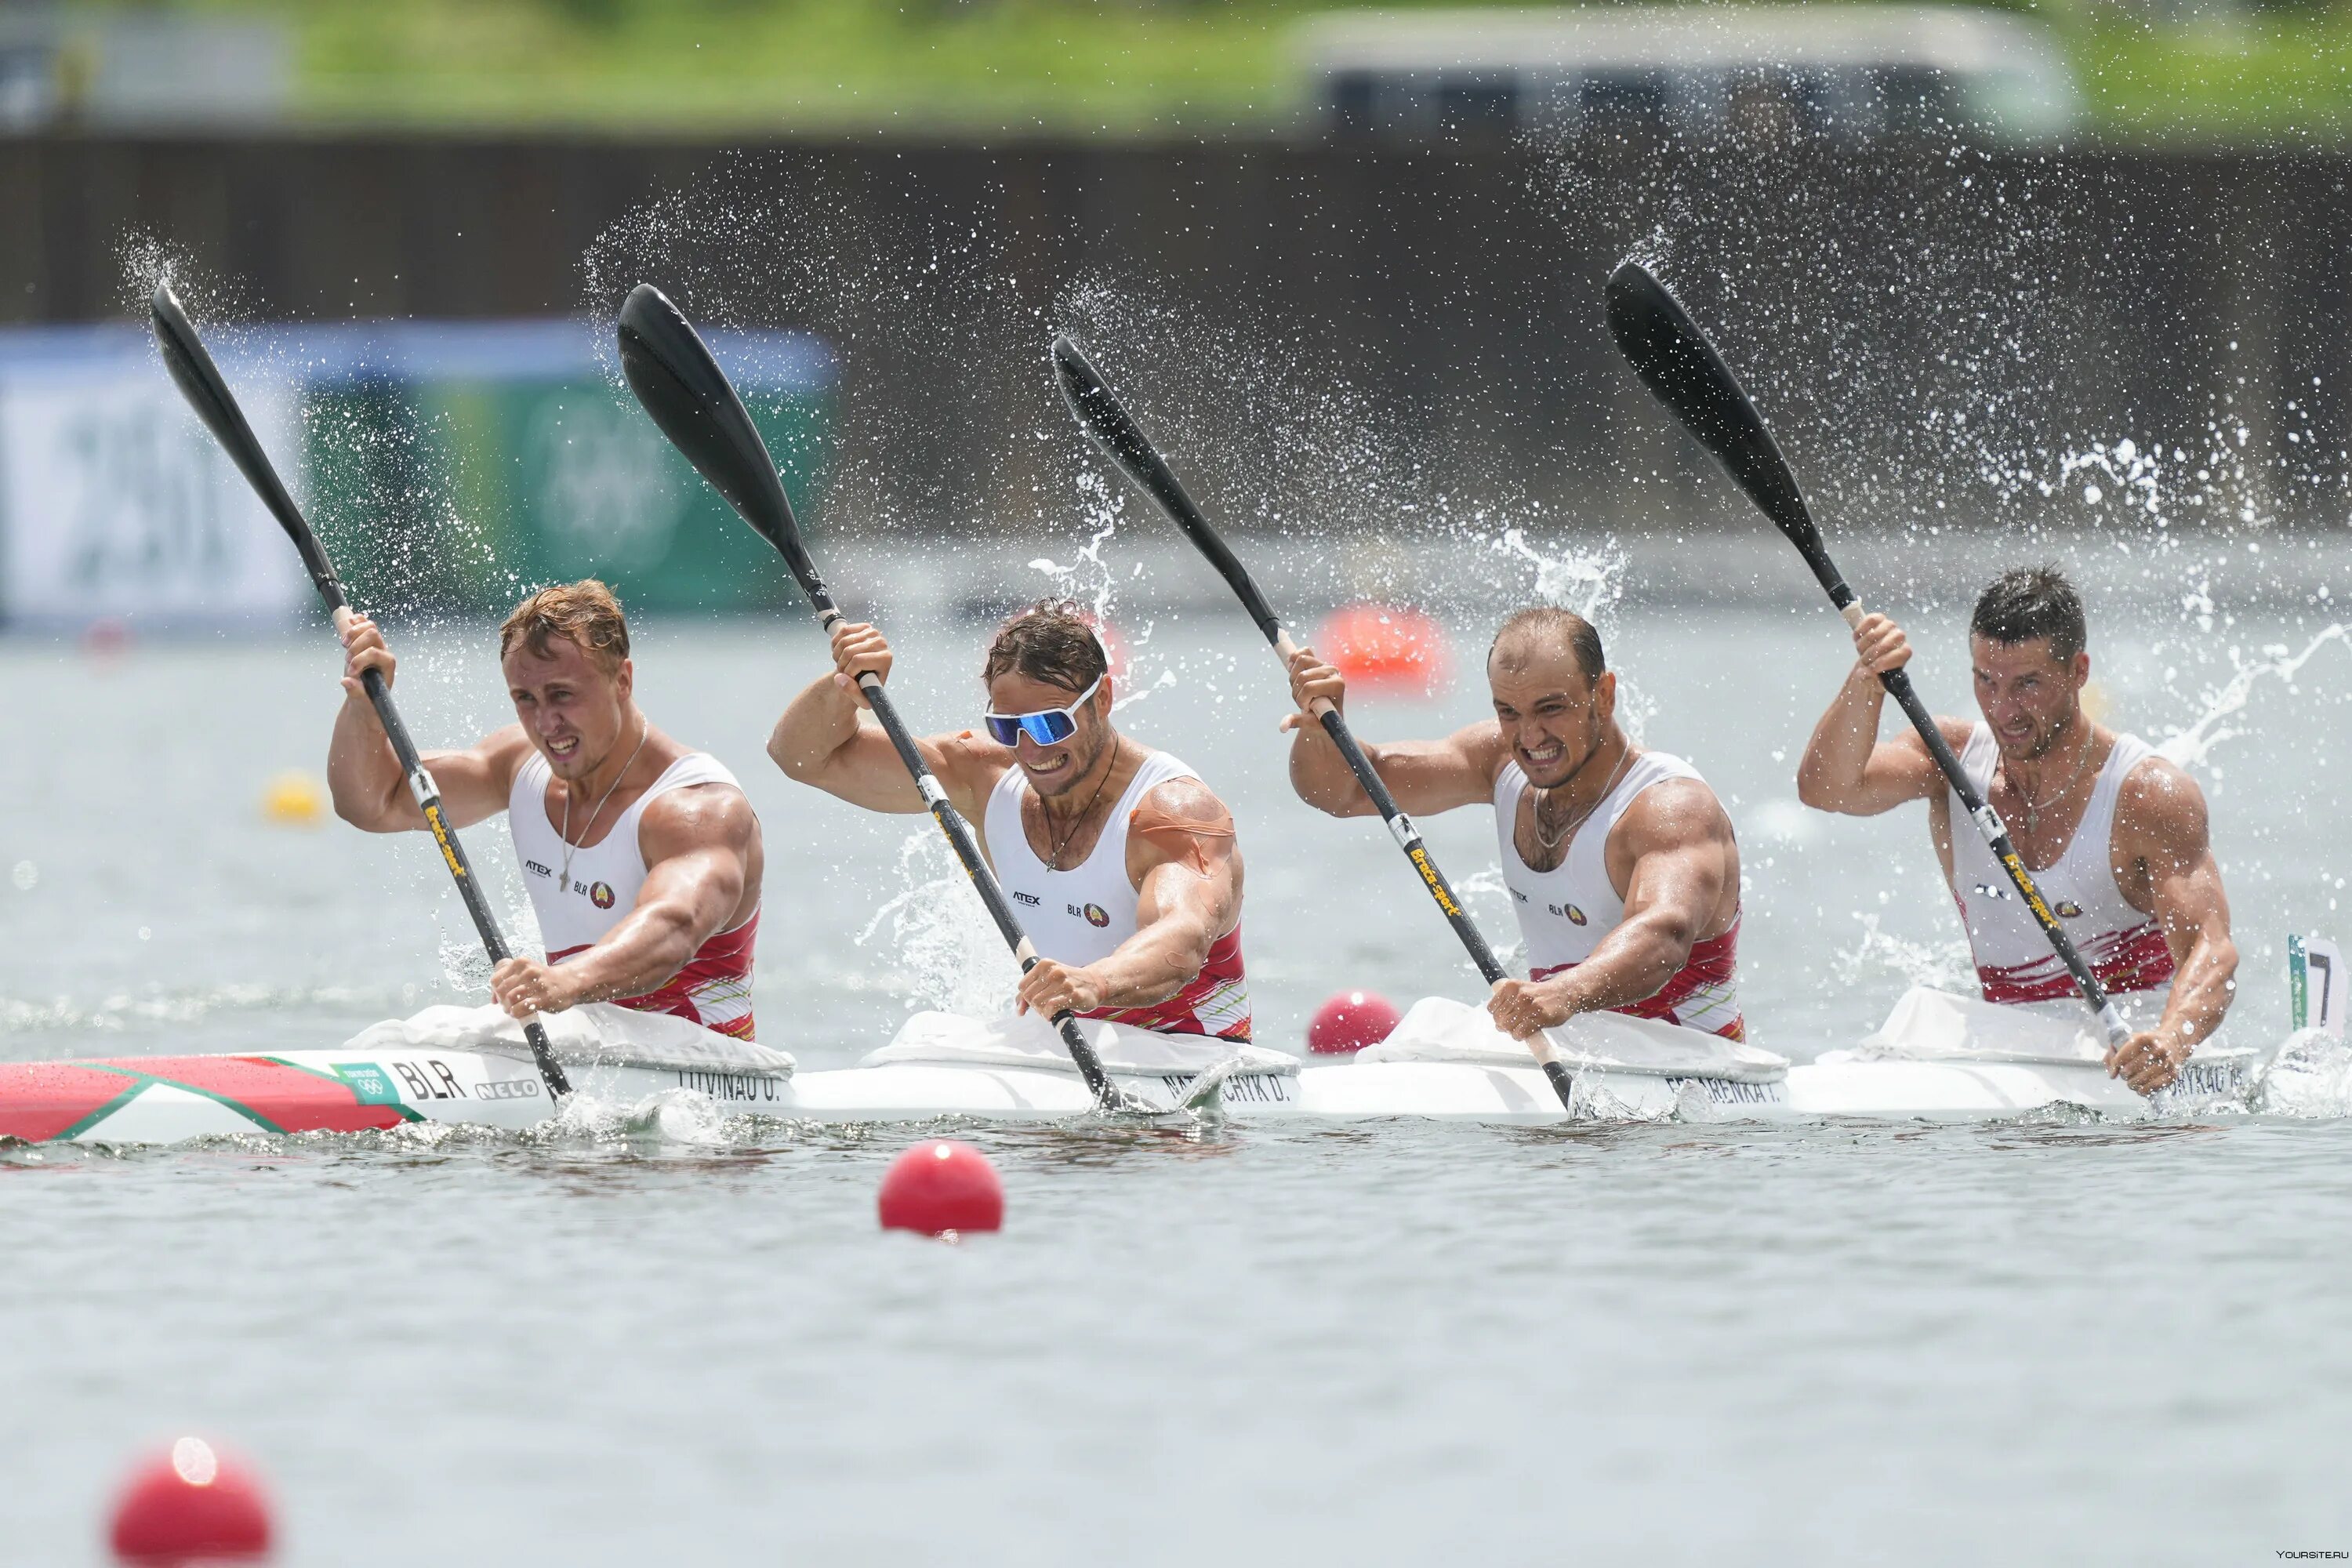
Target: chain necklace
1569 832
2034 808
589 826
1054 858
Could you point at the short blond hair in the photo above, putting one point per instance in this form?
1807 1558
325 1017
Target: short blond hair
583 614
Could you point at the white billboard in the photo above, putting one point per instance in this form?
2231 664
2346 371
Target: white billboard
115 502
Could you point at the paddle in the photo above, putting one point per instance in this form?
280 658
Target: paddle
1112 429
207 393
1683 371
673 374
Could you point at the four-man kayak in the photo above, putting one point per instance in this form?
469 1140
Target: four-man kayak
1938 1055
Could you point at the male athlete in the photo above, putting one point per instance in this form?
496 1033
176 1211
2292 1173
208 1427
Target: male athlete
1120 863
641 856
2114 835
1620 862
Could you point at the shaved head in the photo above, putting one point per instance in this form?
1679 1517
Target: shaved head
1545 631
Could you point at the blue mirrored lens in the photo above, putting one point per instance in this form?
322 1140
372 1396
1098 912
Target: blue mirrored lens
1046 729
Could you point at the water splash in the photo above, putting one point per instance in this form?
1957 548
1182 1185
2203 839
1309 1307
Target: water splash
2194 746
950 955
1944 965
1589 580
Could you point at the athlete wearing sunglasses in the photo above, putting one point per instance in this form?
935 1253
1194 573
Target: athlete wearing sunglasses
1119 862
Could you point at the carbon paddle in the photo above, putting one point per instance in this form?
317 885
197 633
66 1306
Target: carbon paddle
1683 371
671 371
1112 429
207 393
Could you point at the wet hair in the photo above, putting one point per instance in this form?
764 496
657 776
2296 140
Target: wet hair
2029 602
1054 641
1580 635
585 613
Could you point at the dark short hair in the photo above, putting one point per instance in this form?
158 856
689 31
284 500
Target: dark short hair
1581 638
1054 641
2029 602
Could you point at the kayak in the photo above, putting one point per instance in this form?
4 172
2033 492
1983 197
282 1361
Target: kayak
1938 1055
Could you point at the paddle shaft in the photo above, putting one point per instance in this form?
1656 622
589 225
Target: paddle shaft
967 849
1101 415
1683 371
671 370
207 392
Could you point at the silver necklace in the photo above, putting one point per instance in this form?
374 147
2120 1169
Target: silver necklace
2034 808
571 848
1569 832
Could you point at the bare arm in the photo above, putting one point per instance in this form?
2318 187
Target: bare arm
827 737
1187 870
1684 859
1425 776
2164 828
1846 767
697 843
363 777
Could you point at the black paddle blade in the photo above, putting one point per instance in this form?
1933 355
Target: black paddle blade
1683 371
202 384
1113 429
670 369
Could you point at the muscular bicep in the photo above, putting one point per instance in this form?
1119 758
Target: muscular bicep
869 773
2163 812
1184 859
697 844
1901 770
1682 862
1428 776
474 784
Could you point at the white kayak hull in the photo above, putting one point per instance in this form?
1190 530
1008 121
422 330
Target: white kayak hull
371 1084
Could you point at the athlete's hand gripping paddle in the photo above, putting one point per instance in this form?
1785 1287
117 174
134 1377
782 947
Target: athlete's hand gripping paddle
207 392
671 371
1683 371
1113 429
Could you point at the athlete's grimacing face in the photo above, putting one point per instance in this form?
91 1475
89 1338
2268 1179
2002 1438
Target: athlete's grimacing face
571 710
1553 716
2025 693
1057 769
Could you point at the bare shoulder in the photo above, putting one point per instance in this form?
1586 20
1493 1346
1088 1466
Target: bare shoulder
1185 803
2162 807
697 817
1673 813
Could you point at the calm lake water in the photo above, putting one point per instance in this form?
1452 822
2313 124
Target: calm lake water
2048 1342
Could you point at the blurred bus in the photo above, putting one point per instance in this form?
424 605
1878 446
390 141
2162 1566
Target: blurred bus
1760 74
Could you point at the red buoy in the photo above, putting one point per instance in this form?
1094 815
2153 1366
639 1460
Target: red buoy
1351 1021
941 1188
193 1504
1384 647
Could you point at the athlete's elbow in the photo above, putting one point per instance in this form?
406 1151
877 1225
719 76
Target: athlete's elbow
1816 790
376 816
797 762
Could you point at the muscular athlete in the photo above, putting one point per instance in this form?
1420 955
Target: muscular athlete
1620 862
1120 863
2114 836
642 857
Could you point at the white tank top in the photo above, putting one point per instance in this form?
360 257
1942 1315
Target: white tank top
2124 948
1564 912
1081 915
607 876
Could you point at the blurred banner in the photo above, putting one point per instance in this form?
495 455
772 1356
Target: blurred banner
448 467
